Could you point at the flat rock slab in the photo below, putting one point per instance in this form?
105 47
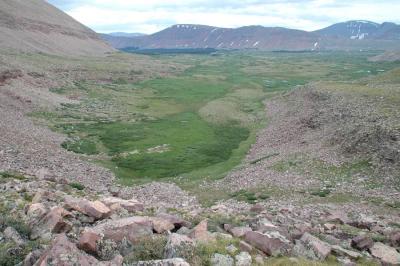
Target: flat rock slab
388 255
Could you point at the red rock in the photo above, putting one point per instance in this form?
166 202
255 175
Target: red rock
88 242
161 225
132 228
63 252
200 232
362 242
53 222
239 231
243 246
177 245
268 244
129 205
94 209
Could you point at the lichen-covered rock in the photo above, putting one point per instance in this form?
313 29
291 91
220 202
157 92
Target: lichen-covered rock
132 228
243 259
222 260
63 252
52 222
178 246
388 255
167 262
272 244
319 248
200 232
12 234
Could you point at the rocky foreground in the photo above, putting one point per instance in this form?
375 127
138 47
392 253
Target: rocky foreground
47 223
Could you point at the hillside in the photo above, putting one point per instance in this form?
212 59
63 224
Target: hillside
37 26
390 56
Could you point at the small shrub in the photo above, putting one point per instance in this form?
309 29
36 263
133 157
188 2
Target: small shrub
12 175
147 248
321 193
77 186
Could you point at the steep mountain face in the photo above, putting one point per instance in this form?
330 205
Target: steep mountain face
362 30
200 36
35 25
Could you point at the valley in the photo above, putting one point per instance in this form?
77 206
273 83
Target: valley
195 124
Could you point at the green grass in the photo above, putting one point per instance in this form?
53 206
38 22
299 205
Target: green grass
202 120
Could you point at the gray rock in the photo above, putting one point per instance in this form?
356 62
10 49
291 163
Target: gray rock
178 246
12 234
167 262
388 255
319 248
243 259
222 260
231 249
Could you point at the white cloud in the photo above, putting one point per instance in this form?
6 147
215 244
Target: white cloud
149 16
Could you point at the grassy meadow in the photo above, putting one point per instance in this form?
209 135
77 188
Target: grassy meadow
195 123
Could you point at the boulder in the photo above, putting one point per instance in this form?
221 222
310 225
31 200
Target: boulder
388 255
200 233
63 252
52 222
265 225
272 244
362 242
36 211
243 259
167 262
222 260
177 221
239 231
364 222
12 234
131 205
320 249
88 242
42 195
132 228
177 246
345 252
243 246
95 209
161 225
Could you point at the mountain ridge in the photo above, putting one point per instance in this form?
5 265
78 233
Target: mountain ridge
359 34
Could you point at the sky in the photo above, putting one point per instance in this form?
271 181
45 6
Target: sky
150 16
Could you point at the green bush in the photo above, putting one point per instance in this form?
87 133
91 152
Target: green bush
77 186
81 146
147 248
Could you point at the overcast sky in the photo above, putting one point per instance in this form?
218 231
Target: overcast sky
149 16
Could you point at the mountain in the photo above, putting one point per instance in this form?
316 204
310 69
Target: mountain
125 34
201 36
362 30
35 25
351 35
389 56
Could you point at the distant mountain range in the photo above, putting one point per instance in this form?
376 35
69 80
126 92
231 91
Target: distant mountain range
356 34
126 34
